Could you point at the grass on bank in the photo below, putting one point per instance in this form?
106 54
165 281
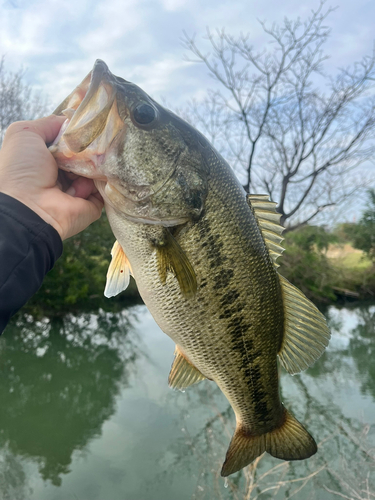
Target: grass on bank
354 271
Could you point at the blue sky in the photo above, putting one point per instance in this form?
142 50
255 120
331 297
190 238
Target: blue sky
57 42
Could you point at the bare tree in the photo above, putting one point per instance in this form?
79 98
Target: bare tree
287 127
17 99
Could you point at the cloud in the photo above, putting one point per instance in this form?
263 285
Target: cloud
58 41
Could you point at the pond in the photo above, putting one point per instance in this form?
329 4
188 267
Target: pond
86 414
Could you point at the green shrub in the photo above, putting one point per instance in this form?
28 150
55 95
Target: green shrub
305 264
362 234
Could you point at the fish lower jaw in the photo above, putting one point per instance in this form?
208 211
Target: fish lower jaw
83 164
124 212
86 169
156 222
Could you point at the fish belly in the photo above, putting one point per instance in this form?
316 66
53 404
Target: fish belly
231 329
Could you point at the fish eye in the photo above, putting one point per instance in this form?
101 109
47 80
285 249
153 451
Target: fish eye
144 114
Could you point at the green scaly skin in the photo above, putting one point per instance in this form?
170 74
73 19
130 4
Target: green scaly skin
232 329
163 183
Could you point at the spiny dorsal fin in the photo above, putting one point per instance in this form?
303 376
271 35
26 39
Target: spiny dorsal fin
306 334
183 374
119 271
268 220
172 258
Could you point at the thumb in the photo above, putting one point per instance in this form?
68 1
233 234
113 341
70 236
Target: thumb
83 213
47 128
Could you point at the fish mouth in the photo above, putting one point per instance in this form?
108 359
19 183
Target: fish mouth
92 123
94 131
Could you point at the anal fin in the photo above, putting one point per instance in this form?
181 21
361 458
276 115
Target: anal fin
119 271
289 441
183 373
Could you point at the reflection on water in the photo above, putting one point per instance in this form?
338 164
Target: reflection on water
327 398
86 413
362 349
59 381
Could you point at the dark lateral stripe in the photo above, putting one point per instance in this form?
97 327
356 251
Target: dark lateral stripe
229 297
213 245
223 279
259 394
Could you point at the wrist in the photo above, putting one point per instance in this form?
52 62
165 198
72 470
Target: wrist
30 203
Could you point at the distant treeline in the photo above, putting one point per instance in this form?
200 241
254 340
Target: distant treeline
306 263
77 281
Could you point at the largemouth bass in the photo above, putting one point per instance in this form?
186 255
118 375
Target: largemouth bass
202 253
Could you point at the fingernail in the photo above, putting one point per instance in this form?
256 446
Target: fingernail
71 191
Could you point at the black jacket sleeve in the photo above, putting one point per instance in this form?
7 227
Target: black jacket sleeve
29 248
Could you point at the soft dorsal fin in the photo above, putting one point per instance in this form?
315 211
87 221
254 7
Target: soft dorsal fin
183 373
119 271
268 221
306 334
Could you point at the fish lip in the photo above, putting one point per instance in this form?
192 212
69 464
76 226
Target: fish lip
155 222
100 75
94 177
100 66
100 72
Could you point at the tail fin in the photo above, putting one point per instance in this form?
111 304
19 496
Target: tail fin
290 441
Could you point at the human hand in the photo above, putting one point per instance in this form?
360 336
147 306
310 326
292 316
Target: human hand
29 173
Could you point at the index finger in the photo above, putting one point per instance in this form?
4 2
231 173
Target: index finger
47 128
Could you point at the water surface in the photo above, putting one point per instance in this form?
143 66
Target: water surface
86 414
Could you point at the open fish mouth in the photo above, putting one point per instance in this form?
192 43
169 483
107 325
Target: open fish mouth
92 123
105 137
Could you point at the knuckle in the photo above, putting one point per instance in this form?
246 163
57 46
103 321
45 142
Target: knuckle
16 127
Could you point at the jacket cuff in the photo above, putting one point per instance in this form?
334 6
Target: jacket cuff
32 223
29 248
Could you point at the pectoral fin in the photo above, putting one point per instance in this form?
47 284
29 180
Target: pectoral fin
306 334
118 275
183 373
172 258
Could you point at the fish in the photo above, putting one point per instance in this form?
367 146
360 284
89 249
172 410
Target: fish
203 254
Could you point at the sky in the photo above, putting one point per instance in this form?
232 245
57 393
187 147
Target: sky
57 42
